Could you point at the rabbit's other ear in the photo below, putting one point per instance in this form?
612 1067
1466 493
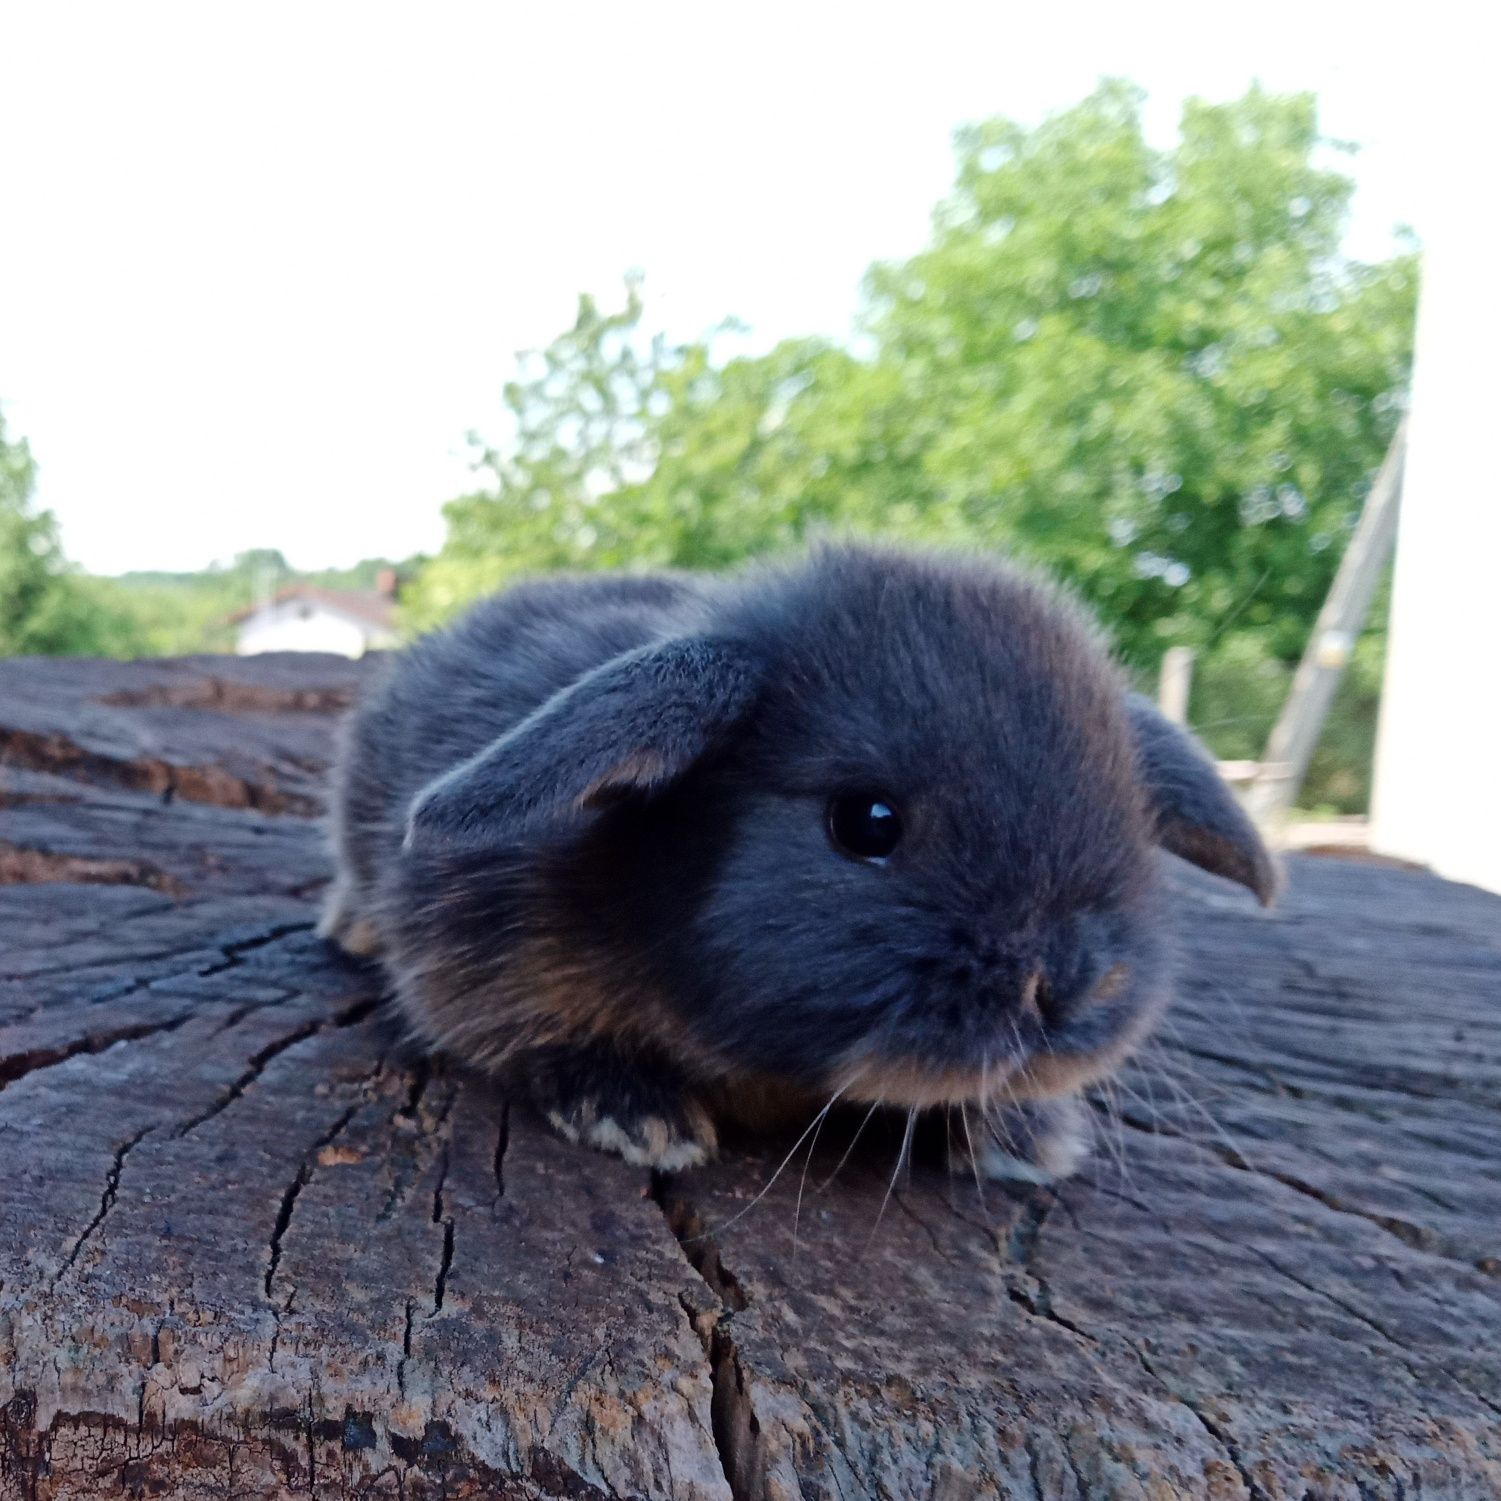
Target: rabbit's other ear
1197 817
635 724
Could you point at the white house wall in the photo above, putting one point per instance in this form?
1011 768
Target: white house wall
1437 794
294 625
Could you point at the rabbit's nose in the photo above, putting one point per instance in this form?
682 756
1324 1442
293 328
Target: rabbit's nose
1037 999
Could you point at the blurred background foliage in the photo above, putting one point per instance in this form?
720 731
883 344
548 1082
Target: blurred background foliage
49 608
174 613
46 608
1151 372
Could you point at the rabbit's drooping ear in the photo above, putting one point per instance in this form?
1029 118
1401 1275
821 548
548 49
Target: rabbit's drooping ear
635 724
1197 818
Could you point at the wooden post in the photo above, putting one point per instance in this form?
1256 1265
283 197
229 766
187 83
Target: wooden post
1296 733
1174 683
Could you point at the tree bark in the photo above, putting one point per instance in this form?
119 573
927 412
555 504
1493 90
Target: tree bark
251 1246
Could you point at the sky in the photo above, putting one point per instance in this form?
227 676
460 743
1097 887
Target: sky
262 267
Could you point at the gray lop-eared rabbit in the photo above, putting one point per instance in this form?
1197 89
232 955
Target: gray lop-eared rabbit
876 824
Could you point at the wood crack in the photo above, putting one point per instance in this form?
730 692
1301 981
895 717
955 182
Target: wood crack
498 1157
19 1065
406 1352
1416 1237
1404 1354
259 1060
732 1417
106 1201
300 1181
445 1264
1023 1248
1217 1431
210 784
118 989
24 865
235 950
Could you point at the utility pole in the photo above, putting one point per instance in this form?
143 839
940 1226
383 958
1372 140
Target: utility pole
1296 733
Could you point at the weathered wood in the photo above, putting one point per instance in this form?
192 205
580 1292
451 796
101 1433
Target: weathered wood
250 1247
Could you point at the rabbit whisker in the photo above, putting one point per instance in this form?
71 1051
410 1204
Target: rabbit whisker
802 1182
901 1158
839 1166
766 1188
974 1165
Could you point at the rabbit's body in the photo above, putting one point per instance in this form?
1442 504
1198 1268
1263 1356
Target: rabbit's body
877 824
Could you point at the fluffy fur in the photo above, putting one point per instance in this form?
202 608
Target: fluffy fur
585 830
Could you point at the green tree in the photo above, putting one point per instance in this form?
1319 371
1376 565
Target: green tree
1150 371
580 415
44 607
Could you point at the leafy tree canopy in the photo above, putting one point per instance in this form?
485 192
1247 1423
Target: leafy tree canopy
44 608
1151 371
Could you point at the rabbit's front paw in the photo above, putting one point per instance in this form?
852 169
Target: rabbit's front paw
1034 1141
632 1106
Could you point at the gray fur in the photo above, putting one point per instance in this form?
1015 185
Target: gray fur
587 824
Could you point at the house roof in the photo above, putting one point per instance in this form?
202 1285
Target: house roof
368 606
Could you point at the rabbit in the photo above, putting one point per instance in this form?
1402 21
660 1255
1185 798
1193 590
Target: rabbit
876 825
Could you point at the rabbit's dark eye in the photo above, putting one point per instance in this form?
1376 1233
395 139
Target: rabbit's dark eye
864 825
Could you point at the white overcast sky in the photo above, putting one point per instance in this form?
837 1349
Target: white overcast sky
263 265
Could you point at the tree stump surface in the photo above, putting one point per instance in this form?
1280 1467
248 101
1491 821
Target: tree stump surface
249 1246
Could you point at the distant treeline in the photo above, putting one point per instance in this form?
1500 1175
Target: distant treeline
168 614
